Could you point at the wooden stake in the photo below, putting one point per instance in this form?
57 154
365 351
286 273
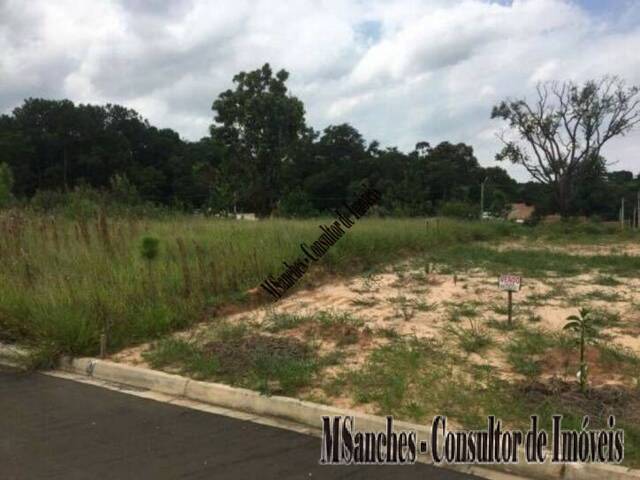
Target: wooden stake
103 345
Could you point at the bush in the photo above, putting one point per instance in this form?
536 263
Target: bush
6 184
459 210
296 204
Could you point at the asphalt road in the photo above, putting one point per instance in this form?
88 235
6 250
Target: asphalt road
55 428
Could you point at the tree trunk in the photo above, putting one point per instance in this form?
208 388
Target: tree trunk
563 196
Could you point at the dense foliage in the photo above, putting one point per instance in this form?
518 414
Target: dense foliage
261 157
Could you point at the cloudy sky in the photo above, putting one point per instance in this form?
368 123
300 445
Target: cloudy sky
400 71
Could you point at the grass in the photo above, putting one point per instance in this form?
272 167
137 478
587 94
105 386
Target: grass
364 302
596 295
63 282
473 339
416 379
607 281
424 306
531 263
458 311
238 357
341 327
502 325
525 349
277 322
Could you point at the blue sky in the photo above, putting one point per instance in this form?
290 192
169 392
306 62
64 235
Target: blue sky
400 71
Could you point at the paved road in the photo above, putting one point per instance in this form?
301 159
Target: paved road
56 428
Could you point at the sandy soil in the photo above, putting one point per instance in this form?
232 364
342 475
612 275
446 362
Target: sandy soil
414 302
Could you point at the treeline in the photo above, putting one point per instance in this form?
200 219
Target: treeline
260 156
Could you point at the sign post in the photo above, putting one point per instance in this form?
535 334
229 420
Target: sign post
510 283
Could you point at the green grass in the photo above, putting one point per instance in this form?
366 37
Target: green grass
607 281
458 311
525 349
533 263
502 325
473 339
238 357
63 282
416 379
425 306
595 295
277 322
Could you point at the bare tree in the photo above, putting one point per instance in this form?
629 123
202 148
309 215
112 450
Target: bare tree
565 128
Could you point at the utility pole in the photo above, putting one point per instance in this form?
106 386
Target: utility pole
638 211
482 197
622 213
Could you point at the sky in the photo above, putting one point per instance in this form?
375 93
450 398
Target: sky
400 71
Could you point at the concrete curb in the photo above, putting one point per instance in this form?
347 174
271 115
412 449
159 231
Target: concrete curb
12 355
308 413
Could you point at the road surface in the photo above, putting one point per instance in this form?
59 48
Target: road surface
56 428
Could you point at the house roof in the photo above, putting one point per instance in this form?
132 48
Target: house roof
520 211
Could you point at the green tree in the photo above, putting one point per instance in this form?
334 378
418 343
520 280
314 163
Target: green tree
296 203
585 325
260 124
6 184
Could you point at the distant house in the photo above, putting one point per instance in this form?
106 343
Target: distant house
520 212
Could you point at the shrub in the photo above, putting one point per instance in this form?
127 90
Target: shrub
459 210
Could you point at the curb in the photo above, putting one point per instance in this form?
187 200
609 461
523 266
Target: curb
12 355
309 414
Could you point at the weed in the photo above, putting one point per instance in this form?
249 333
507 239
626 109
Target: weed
606 280
184 356
424 306
472 339
595 295
277 322
343 328
387 333
462 310
525 349
364 302
502 325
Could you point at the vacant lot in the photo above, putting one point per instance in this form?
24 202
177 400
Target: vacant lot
400 317
429 335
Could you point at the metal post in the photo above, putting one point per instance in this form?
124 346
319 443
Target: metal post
510 307
482 199
482 196
103 345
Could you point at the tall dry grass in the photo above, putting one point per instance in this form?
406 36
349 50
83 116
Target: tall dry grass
63 282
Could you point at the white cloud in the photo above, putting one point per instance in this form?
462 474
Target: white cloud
400 71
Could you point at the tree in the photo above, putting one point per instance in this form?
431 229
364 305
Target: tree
565 127
6 184
259 123
585 325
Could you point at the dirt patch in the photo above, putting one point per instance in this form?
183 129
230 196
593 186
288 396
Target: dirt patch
596 402
233 355
564 363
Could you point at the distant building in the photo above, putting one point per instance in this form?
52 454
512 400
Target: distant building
520 212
